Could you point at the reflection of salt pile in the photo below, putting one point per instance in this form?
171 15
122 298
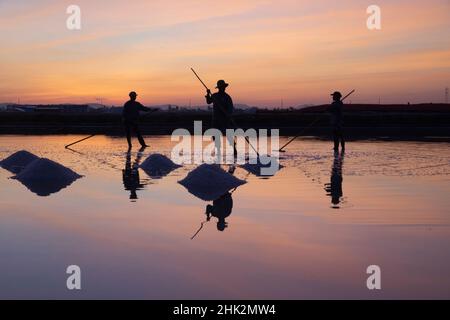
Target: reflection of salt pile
265 166
158 165
44 177
18 161
209 182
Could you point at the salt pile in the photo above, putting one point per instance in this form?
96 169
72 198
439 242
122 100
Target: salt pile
158 165
44 177
18 161
209 182
266 169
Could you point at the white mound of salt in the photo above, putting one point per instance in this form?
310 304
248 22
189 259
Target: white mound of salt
18 161
158 165
265 166
44 176
209 182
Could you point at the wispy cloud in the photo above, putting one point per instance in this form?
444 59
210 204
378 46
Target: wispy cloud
267 50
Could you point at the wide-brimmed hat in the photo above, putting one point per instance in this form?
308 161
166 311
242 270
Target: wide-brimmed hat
221 84
336 94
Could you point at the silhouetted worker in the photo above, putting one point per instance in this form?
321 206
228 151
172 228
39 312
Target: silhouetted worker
130 175
222 110
221 209
334 188
222 106
336 120
130 115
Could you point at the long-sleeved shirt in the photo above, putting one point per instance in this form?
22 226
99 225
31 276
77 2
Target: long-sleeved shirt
131 110
222 109
222 207
335 110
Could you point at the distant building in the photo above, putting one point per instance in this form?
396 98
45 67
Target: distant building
48 109
61 108
19 108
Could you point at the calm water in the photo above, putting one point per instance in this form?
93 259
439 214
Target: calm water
285 238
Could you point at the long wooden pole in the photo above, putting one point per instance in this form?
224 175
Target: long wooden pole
78 141
310 125
224 112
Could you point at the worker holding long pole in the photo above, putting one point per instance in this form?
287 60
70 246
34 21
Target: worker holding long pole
336 119
335 110
130 116
222 106
222 110
218 108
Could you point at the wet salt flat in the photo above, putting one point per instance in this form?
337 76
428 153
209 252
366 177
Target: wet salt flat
310 231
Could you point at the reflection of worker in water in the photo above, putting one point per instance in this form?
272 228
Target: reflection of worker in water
130 175
334 188
221 209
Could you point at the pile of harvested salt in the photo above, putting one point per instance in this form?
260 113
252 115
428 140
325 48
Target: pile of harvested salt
44 177
18 161
266 169
209 182
158 165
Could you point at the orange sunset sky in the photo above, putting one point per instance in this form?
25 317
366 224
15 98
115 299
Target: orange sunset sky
294 50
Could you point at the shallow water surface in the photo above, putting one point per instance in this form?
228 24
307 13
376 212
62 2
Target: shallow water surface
310 231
